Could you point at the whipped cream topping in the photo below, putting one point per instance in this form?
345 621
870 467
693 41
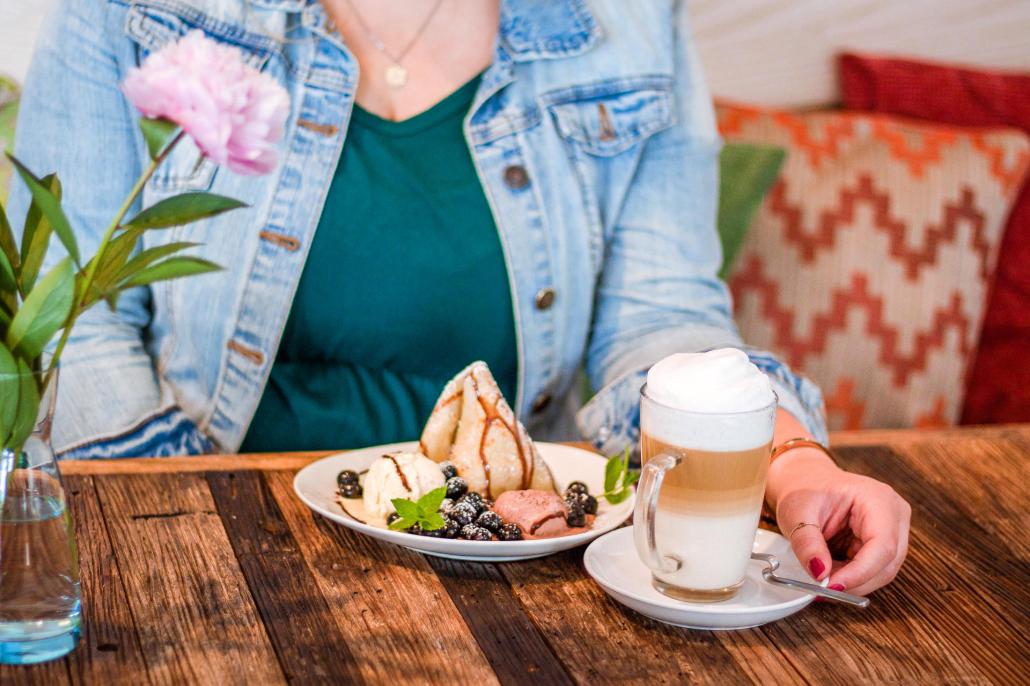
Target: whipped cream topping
722 380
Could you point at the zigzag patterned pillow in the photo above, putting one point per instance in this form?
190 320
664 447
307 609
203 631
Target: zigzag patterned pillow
869 264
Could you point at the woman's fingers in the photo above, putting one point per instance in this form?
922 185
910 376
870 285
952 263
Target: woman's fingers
808 542
880 556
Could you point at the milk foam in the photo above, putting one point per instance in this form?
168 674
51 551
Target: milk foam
711 383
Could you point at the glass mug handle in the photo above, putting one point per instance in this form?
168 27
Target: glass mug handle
651 476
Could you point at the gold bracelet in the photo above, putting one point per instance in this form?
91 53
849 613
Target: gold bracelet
799 442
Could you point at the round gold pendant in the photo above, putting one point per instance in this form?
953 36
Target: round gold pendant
396 76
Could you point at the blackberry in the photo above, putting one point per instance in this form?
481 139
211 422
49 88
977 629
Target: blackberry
510 532
489 520
576 487
451 528
456 487
463 513
475 500
585 500
351 490
449 470
415 528
576 516
347 476
445 506
471 532
391 518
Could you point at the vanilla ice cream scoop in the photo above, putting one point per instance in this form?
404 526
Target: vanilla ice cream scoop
399 475
722 380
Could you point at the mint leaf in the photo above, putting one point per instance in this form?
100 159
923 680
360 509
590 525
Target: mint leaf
406 509
430 502
612 472
432 522
617 497
401 524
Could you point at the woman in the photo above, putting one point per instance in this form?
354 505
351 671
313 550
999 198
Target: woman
531 183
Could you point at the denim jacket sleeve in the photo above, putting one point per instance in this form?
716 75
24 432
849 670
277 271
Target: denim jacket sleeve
74 121
658 292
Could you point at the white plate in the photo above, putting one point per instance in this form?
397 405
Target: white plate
613 563
316 486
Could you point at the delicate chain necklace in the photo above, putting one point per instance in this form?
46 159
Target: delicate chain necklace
395 75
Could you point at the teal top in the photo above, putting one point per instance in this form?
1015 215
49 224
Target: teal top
405 284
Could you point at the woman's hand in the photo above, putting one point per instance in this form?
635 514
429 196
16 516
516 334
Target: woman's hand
863 522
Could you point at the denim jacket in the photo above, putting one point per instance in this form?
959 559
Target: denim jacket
593 136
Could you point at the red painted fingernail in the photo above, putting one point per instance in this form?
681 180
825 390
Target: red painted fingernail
836 587
817 566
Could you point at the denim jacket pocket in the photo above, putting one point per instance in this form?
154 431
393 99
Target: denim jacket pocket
609 118
153 27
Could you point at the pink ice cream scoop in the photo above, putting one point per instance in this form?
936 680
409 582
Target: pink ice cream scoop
539 514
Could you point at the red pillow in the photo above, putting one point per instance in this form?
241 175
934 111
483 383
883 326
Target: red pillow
999 383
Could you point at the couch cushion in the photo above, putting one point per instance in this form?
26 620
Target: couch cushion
868 265
999 383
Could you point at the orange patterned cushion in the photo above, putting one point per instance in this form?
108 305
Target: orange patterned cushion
869 264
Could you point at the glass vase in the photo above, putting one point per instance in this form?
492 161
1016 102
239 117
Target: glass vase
39 563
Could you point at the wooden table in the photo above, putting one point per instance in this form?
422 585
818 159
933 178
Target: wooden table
210 570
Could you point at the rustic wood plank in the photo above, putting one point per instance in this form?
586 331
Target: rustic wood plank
45 674
109 651
895 437
990 476
516 649
309 643
195 616
601 642
921 624
398 619
207 463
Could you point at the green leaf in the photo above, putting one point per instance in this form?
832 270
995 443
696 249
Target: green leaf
9 390
50 205
172 268
157 133
7 243
115 256
183 209
432 522
35 239
28 408
8 280
44 311
613 470
430 502
406 509
617 497
148 257
401 524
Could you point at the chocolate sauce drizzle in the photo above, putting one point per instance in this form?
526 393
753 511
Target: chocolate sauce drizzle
494 415
400 473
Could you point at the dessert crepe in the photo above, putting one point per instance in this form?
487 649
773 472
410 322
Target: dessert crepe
473 426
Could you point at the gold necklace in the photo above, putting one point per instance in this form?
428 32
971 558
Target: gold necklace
396 76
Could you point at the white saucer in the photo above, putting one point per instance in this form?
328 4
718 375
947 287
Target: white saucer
613 563
316 486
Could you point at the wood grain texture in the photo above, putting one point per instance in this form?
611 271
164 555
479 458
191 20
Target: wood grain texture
517 651
601 642
310 649
195 616
109 651
397 618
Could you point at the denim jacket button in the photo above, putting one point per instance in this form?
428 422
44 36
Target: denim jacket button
541 402
544 298
516 176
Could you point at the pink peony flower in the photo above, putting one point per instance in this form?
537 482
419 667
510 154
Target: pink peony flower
234 113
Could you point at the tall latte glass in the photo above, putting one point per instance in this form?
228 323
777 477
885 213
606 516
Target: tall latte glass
703 478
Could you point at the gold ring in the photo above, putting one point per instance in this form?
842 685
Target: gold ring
799 526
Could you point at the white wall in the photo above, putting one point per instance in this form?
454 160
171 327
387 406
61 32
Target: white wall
763 51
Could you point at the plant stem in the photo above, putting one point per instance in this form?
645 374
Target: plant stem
91 268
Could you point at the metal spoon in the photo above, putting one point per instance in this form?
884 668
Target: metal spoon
814 589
